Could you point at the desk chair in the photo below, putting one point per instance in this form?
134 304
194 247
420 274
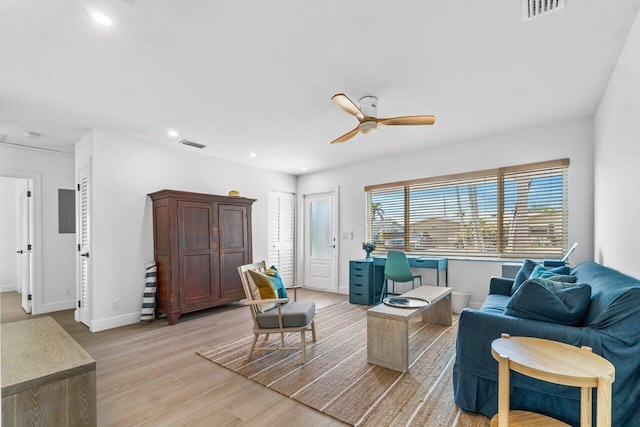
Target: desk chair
397 269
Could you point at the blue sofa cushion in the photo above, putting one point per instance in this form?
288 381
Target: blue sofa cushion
495 303
523 274
530 267
558 274
548 301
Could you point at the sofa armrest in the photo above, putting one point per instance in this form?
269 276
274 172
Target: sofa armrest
478 329
475 372
500 285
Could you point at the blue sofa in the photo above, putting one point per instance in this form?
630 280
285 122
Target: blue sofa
611 327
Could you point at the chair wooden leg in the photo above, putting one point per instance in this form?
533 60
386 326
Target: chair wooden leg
313 331
303 347
282 339
266 337
253 345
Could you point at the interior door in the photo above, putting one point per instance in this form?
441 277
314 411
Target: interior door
320 241
281 234
26 246
84 245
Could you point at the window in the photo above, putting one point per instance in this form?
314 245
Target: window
513 212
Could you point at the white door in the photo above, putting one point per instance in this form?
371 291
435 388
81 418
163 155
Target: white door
281 234
26 246
320 241
84 240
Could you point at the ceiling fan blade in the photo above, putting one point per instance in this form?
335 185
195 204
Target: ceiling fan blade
407 120
342 101
347 136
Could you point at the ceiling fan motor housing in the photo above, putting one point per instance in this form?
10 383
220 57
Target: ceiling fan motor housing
369 107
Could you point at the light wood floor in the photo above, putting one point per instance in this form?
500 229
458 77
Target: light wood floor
150 374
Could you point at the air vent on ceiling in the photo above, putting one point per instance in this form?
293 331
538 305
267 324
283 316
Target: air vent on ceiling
191 143
532 9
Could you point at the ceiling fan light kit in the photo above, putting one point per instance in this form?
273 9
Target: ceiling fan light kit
368 127
367 115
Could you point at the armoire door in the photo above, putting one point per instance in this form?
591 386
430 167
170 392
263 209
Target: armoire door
197 253
235 248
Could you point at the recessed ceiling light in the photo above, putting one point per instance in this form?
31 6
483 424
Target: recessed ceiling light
304 168
99 17
172 133
32 135
253 155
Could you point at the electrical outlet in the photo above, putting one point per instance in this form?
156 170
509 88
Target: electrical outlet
115 305
67 291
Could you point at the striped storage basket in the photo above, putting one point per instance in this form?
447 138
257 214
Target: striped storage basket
149 299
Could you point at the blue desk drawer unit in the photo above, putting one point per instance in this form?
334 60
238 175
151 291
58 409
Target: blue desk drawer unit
360 282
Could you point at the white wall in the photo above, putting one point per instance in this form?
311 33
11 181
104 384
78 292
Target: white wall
124 171
572 140
57 250
8 245
617 163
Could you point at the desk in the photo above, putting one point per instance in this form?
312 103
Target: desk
366 277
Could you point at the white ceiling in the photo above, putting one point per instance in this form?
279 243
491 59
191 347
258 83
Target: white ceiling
257 76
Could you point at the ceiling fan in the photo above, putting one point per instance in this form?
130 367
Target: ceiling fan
366 115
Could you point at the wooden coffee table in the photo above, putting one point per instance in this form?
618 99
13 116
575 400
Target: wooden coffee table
388 327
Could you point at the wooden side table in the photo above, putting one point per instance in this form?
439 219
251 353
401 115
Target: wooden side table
557 363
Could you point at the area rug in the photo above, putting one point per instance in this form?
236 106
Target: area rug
338 381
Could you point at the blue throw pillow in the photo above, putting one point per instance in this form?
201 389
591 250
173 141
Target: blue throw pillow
277 281
531 270
548 301
565 278
545 273
523 274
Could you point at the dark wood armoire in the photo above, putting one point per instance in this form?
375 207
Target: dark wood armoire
199 240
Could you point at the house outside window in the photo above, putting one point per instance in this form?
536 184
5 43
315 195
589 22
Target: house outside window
512 212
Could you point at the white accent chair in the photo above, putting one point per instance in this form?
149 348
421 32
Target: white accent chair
286 317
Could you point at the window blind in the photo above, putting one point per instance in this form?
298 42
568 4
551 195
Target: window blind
515 212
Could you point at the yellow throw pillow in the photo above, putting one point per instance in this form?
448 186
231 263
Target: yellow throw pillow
255 295
263 283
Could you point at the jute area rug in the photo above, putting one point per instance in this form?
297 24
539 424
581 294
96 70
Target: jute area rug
338 381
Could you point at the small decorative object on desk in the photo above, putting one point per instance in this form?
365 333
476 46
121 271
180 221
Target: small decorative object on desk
368 247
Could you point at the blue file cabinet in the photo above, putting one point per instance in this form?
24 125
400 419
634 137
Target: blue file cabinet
361 289
366 277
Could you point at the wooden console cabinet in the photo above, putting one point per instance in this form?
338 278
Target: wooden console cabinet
47 378
199 242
